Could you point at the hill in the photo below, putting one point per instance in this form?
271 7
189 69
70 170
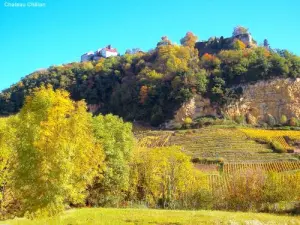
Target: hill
152 86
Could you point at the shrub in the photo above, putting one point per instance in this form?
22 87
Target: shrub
205 121
296 210
240 119
207 160
244 191
271 120
200 199
283 120
277 189
293 122
187 122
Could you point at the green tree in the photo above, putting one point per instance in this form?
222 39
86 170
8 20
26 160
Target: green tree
279 65
266 44
56 153
117 139
201 81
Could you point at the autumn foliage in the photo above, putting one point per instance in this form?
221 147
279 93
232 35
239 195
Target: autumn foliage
238 45
143 94
189 40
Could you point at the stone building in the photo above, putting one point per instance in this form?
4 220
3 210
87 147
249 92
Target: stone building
108 51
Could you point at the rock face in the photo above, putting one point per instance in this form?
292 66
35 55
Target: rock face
196 107
276 97
246 39
258 102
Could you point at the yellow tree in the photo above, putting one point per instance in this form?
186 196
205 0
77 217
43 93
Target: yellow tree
238 45
164 176
57 155
6 163
173 59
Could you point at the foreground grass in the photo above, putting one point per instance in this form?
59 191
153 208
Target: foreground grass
156 217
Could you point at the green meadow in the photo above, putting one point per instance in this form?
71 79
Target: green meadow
110 216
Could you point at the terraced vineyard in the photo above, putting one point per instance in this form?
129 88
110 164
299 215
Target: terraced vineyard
224 182
259 133
273 135
279 166
231 144
241 153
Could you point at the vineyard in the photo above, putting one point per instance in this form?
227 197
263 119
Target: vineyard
277 166
230 144
226 181
238 149
259 133
279 136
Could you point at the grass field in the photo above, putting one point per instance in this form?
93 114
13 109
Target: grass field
157 217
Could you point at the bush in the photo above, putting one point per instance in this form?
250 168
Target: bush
283 120
240 119
207 160
296 210
205 121
271 120
209 121
187 122
244 191
200 199
293 122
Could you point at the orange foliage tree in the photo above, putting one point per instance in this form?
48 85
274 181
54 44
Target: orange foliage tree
209 61
189 40
143 94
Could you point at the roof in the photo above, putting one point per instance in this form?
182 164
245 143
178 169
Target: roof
88 53
110 49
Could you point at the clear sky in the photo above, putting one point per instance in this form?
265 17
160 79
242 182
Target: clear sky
35 38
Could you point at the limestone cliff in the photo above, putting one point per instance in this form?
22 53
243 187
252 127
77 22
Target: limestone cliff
196 107
275 97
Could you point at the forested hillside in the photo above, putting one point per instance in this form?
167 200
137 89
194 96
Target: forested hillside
150 86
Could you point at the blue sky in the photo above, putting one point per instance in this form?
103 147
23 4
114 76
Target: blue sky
34 38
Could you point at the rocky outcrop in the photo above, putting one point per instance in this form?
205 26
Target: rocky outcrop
246 39
196 107
276 97
258 103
